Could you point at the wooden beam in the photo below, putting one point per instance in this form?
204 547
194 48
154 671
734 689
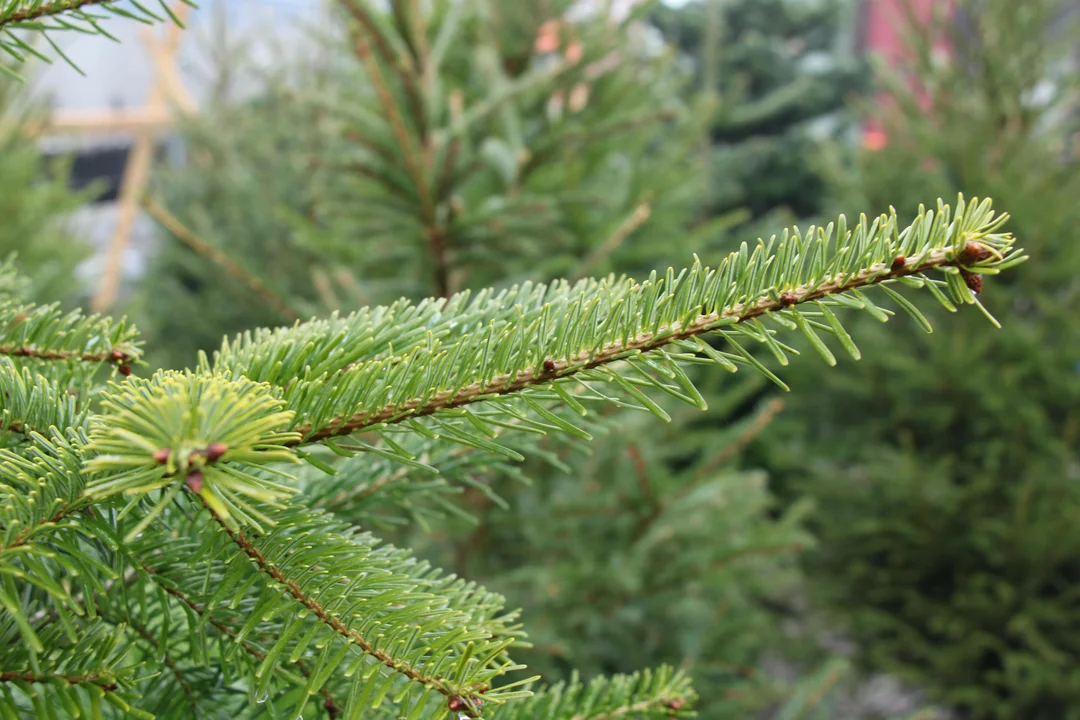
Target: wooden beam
137 170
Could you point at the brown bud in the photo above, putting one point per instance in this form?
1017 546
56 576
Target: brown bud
675 704
456 703
899 263
788 299
195 481
972 253
125 370
161 455
973 281
117 355
549 365
215 450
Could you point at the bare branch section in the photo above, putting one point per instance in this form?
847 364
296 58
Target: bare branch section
644 342
186 236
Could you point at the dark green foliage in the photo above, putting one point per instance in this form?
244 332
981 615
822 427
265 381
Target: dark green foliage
780 68
947 512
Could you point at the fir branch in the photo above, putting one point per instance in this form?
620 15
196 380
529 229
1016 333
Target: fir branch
447 635
320 612
331 704
22 12
44 333
96 678
211 253
643 342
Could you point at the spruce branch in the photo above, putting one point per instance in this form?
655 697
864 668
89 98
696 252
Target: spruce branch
181 232
743 289
44 333
331 704
391 590
67 15
23 10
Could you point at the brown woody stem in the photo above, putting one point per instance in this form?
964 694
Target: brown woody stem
331 621
48 9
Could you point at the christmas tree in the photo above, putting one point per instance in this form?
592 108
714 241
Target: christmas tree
230 264
164 541
781 73
945 480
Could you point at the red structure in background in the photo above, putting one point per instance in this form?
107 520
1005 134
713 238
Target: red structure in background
884 24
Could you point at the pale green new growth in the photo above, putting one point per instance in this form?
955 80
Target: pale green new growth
263 601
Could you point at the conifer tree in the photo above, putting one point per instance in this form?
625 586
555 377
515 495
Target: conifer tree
945 466
778 68
229 261
161 547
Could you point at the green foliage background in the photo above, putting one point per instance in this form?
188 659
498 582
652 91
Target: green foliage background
946 512
36 202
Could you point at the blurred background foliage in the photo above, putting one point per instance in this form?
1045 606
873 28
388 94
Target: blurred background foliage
912 514
36 200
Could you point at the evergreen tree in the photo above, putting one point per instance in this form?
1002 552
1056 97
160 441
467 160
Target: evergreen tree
945 470
159 557
232 263
778 68
550 161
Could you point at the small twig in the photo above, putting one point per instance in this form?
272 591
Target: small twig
46 10
30 677
643 479
759 424
111 356
182 233
626 228
323 615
